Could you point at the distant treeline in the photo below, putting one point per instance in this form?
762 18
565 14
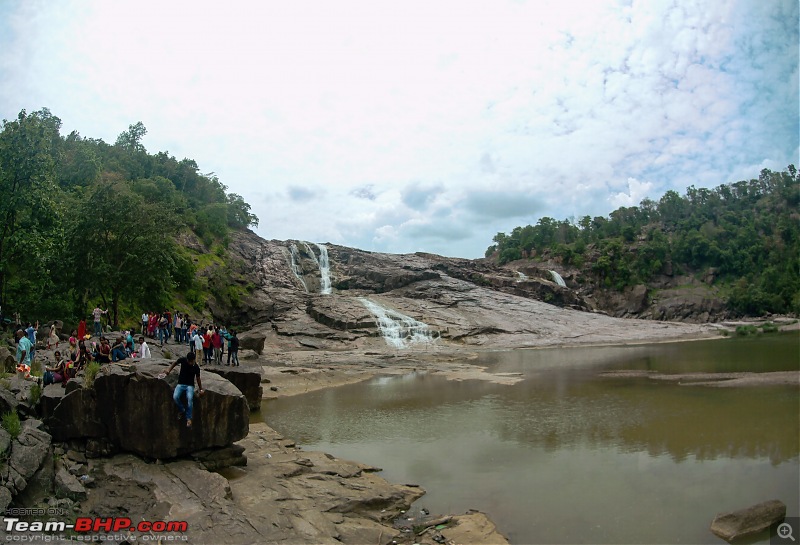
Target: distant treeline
88 222
747 231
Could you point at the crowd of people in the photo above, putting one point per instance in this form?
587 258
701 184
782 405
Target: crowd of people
210 341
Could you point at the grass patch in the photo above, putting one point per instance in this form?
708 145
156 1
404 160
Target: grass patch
36 393
12 424
91 373
167 354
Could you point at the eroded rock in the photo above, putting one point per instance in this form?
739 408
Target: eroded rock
133 409
748 521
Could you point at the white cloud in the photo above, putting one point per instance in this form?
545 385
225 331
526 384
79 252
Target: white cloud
423 125
636 192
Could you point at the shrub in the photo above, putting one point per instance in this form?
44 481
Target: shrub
36 393
12 424
744 330
769 327
90 373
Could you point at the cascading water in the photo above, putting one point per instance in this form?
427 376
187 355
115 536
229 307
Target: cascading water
324 270
324 266
557 279
399 330
294 256
522 276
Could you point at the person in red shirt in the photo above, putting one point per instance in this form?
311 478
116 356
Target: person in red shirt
216 343
207 345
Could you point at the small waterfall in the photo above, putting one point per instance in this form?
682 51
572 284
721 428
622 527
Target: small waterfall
324 266
557 279
294 256
398 330
324 270
522 276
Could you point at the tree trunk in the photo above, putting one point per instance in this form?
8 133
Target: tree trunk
115 309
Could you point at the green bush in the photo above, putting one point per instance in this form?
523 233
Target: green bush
769 327
12 424
90 373
36 393
745 330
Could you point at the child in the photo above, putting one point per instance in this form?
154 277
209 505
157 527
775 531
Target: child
144 350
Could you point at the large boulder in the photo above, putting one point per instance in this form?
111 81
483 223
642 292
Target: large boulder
252 340
132 408
247 380
28 453
749 521
8 361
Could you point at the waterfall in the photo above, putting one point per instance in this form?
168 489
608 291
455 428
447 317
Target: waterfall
294 256
324 270
522 276
557 279
398 330
324 266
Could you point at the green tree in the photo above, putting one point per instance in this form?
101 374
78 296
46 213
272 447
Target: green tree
29 206
122 248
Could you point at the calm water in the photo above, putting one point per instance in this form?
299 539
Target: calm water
566 456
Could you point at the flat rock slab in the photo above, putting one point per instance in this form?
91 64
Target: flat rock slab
752 520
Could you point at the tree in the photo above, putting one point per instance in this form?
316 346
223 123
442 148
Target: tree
29 207
122 248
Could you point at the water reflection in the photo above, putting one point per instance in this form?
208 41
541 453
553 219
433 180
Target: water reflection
568 456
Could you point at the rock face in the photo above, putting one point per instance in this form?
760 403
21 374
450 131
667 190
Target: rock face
246 379
463 301
752 520
22 458
133 409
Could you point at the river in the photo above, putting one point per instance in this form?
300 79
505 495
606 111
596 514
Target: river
570 456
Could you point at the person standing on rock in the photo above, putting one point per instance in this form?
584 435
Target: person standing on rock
186 377
31 333
97 313
52 339
23 348
145 319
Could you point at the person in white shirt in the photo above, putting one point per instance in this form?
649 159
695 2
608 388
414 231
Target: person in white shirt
198 343
144 350
145 319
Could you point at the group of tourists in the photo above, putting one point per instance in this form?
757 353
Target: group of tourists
212 339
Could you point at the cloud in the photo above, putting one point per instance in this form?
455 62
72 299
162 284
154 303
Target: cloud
418 196
499 204
636 192
302 194
404 137
364 192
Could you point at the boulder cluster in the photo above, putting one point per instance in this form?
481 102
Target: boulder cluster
53 430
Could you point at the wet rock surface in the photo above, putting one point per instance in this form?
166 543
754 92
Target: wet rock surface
748 521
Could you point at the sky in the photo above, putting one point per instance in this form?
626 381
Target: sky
417 125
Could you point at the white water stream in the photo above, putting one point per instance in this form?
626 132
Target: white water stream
324 266
399 330
324 270
557 279
294 256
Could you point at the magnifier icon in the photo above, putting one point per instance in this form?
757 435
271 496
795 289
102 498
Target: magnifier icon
785 531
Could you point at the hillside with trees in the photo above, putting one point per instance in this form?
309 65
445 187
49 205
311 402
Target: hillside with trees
86 222
744 236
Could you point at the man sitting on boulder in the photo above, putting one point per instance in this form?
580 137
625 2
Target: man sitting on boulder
189 370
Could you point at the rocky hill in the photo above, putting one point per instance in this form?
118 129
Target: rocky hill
333 297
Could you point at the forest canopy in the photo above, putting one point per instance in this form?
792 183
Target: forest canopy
747 232
87 222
